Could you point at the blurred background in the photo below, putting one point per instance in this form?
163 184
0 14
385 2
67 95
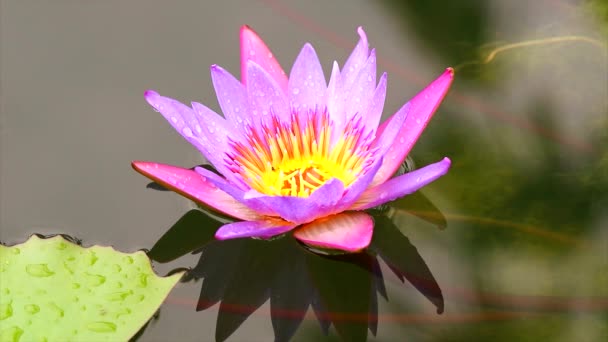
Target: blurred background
525 253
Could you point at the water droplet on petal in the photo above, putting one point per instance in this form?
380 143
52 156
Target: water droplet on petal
251 52
187 131
401 140
295 91
418 121
198 128
174 119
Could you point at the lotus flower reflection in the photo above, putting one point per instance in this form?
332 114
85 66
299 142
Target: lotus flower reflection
299 153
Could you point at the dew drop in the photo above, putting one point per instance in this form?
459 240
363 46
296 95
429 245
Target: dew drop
92 258
143 280
127 259
401 140
31 309
418 121
75 285
101 327
251 52
56 309
116 268
118 296
198 128
123 312
12 334
174 119
38 270
6 311
295 91
15 250
187 131
94 279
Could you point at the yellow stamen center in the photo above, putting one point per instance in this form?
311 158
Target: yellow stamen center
297 158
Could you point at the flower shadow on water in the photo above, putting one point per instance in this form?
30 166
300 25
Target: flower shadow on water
341 289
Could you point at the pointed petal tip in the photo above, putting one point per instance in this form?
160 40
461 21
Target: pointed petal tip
150 92
362 33
139 166
450 70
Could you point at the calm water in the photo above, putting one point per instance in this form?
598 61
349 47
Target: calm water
524 252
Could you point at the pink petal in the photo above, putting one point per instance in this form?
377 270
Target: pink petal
265 97
254 49
195 187
423 106
231 95
402 185
350 231
307 86
264 229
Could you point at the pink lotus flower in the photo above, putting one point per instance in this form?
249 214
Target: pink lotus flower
299 153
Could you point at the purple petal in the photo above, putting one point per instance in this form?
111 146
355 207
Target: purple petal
180 116
213 135
359 94
231 95
238 194
263 229
195 187
335 103
198 126
356 60
321 202
265 97
376 104
401 185
254 49
346 231
423 106
358 186
307 86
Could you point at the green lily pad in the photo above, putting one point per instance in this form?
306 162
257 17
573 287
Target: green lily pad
54 290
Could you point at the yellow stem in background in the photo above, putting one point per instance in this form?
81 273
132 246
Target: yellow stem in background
543 41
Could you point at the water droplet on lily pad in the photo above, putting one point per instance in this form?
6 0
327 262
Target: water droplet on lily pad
94 279
31 309
101 327
6 311
39 270
12 334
